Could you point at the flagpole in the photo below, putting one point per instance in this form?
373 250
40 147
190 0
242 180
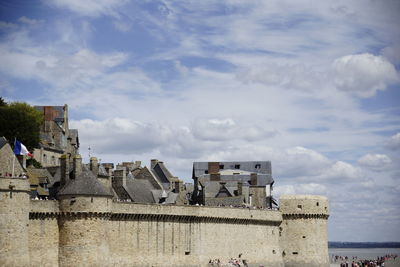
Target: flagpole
13 164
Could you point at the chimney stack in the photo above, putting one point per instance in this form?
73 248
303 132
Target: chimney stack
94 166
64 166
77 165
240 188
153 163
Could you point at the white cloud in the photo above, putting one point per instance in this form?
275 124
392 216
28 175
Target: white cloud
341 171
375 161
92 8
29 21
302 189
394 142
363 74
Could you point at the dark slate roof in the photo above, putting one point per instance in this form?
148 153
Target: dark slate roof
170 199
262 167
3 141
162 173
228 171
140 190
86 184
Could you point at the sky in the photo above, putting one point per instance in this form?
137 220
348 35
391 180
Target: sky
312 86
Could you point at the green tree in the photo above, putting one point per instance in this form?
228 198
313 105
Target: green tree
21 121
2 102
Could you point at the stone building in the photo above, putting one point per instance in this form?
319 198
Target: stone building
55 136
233 183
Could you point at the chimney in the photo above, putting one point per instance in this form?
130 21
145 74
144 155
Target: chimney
77 165
177 184
215 177
94 166
119 177
240 188
109 168
64 166
153 163
253 179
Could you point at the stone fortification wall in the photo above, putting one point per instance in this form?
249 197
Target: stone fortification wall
304 238
14 221
162 235
224 201
95 231
83 227
43 233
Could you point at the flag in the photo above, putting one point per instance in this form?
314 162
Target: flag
20 149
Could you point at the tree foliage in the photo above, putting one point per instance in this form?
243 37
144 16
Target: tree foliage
21 121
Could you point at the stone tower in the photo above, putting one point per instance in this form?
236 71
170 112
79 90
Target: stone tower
303 232
14 221
85 209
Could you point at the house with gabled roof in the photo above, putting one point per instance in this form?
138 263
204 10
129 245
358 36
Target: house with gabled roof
233 183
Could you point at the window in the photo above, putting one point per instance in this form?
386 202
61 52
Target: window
295 253
237 166
299 207
317 204
206 171
221 167
258 166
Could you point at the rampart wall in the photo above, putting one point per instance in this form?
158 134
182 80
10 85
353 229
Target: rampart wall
96 231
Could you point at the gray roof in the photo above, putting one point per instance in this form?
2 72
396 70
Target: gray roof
86 184
211 188
3 141
162 173
264 167
170 199
237 171
140 190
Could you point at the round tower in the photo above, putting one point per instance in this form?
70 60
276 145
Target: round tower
303 231
85 207
14 221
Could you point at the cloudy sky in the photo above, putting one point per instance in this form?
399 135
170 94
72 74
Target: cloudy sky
312 86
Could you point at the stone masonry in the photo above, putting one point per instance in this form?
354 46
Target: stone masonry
94 230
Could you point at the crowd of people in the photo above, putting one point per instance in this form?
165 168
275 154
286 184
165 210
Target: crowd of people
346 261
21 175
232 262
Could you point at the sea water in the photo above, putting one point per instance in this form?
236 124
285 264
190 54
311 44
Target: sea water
363 253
